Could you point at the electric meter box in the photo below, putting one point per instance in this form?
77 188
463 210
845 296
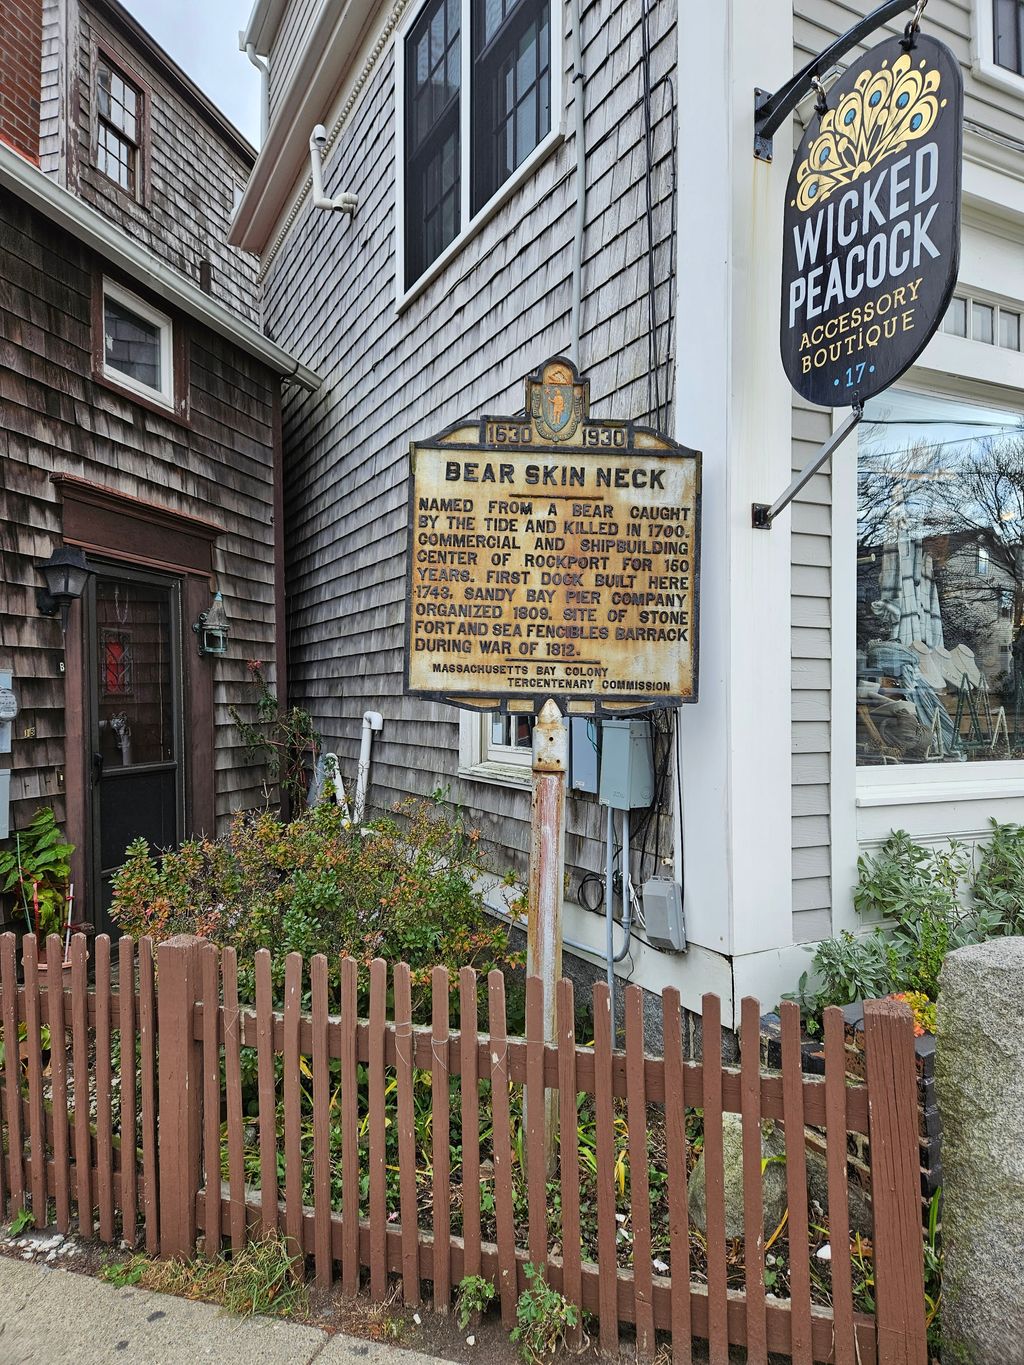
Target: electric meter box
627 765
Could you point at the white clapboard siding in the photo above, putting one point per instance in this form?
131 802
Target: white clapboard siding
990 107
811 638
462 347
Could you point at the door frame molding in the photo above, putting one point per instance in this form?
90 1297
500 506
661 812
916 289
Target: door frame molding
129 531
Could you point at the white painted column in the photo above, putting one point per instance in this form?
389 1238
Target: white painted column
733 402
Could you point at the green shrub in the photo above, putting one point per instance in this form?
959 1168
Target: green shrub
401 888
999 880
918 891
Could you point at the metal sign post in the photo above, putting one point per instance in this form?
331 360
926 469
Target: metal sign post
547 874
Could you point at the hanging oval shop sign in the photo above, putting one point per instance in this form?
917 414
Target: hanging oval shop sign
872 225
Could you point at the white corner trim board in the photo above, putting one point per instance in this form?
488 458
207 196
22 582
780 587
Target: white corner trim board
83 222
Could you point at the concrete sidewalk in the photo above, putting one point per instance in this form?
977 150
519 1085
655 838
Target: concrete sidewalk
53 1317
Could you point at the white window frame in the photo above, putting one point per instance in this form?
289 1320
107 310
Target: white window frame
164 394
951 367
471 223
983 50
484 761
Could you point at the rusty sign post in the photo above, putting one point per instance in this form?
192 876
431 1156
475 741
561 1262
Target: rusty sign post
547 873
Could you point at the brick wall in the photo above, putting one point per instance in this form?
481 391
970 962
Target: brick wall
21 40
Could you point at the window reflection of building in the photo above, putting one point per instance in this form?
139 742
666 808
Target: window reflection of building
940 607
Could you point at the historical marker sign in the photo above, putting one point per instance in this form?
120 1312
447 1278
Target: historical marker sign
872 226
553 556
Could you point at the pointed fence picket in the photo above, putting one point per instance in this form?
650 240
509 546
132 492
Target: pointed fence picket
404 1156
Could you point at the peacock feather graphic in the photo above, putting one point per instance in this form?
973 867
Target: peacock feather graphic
884 111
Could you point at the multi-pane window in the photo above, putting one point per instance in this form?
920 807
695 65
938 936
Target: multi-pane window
433 158
511 89
510 739
118 126
137 349
1009 34
463 143
993 324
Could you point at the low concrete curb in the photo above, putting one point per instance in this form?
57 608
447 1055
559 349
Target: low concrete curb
49 1316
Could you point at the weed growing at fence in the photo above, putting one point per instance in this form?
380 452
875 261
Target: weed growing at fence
474 1295
20 1222
264 1277
543 1316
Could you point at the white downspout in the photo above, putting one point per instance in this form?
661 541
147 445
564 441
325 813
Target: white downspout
372 720
263 67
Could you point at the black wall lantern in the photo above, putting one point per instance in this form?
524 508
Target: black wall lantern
66 573
212 629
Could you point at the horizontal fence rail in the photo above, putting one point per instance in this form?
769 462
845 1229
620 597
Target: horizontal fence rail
390 1127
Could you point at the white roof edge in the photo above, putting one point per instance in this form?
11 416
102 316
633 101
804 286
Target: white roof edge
262 26
305 101
91 228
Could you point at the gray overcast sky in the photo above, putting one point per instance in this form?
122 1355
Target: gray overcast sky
202 37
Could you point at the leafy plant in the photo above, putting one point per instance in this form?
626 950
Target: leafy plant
37 862
282 737
21 1220
123 1273
917 891
542 1318
999 880
923 1010
474 1295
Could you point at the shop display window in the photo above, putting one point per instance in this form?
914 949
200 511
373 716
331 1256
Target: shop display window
940 581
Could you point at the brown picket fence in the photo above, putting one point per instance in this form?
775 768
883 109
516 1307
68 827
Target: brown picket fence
332 1103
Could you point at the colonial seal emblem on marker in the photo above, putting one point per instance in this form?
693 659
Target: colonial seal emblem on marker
557 403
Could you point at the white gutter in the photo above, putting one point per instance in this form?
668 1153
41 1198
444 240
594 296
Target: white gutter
91 228
264 21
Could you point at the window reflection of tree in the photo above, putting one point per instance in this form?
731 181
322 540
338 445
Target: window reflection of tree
960 495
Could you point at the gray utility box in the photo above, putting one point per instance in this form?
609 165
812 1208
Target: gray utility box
584 753
663 914
627 764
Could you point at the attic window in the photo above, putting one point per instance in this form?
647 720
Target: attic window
119 126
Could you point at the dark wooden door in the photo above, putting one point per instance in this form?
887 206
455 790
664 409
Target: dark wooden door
134 653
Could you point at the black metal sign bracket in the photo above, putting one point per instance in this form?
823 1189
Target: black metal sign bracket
771 109
762 515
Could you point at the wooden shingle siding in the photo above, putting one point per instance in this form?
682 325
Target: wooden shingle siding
192 177
462 347
289 41
58 420
52 95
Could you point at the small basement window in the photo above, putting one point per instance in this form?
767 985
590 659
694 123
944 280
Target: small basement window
137 345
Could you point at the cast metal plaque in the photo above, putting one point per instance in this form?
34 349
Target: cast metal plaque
552 555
